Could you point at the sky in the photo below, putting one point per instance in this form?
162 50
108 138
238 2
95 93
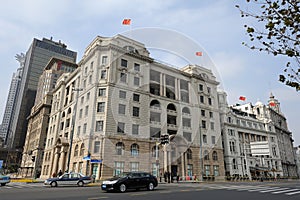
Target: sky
214 26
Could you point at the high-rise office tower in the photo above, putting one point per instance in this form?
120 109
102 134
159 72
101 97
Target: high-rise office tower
11 99
37 56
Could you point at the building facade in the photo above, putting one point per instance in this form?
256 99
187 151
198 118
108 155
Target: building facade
38 121
37 56
251 148
121 103
5 131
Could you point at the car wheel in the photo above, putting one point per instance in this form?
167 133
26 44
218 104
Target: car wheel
150 186
3 184
80 184
53 184
122 187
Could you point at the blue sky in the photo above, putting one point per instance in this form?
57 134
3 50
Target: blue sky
215 26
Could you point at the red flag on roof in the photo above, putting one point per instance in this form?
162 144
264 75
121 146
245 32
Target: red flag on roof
272 104
198 53
126 22
59 65
242 98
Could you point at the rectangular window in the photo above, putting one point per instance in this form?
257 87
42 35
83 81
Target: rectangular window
136 67
184 96
213 139
119 168
209 101
205 139
99 125
135 111
84 128
200 87
103 74
97 147
155 132
102 92
88 96
203 124
78 130
155 76
123 77
186 122
190 170
122 94
104 60
207 170
211 115
216 170
134 166
121 127
201 99
212 126
86 110
184 85
123 63
203 113
122 108
187 136
136 81
136 97
135 129
80 167
101 107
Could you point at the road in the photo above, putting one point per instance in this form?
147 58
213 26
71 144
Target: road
186 191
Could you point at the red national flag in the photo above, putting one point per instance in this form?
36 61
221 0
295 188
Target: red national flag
272 104
198 53
126 22
59 65
242 98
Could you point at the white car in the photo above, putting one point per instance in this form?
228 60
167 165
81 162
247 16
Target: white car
4 179
69 179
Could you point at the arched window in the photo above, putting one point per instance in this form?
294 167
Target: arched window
215 155
171 107
155 103
76 150
63 115
49 155
186 110
189 154
155 151
120 148
81 153
206 155
134 149
69 110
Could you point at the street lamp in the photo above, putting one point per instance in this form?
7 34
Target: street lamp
73 126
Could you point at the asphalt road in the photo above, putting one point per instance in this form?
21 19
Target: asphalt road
214 191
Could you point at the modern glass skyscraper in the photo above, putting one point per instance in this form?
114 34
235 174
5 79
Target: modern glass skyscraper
37 57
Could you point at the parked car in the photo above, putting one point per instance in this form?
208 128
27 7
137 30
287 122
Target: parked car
68 179
4 179
130 180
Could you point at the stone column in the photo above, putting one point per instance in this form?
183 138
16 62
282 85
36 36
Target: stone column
182 165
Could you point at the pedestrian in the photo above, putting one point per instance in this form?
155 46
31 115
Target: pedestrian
177 178
54 174
169 176
60 173
165 176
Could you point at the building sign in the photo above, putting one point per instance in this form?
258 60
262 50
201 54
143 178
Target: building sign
96 161
1 163
260 148
86 158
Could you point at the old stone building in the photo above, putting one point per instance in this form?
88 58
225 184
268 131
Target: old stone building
108 116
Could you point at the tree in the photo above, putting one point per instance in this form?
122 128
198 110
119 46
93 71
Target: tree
280 20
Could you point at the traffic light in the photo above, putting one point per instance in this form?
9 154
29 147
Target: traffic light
164 139
33 158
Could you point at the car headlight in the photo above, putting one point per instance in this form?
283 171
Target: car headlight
110 182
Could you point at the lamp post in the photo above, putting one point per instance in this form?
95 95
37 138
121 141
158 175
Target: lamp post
73 126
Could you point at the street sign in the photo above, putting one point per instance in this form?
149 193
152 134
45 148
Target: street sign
86 158
96 161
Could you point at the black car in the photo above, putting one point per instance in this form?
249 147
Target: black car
130 180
